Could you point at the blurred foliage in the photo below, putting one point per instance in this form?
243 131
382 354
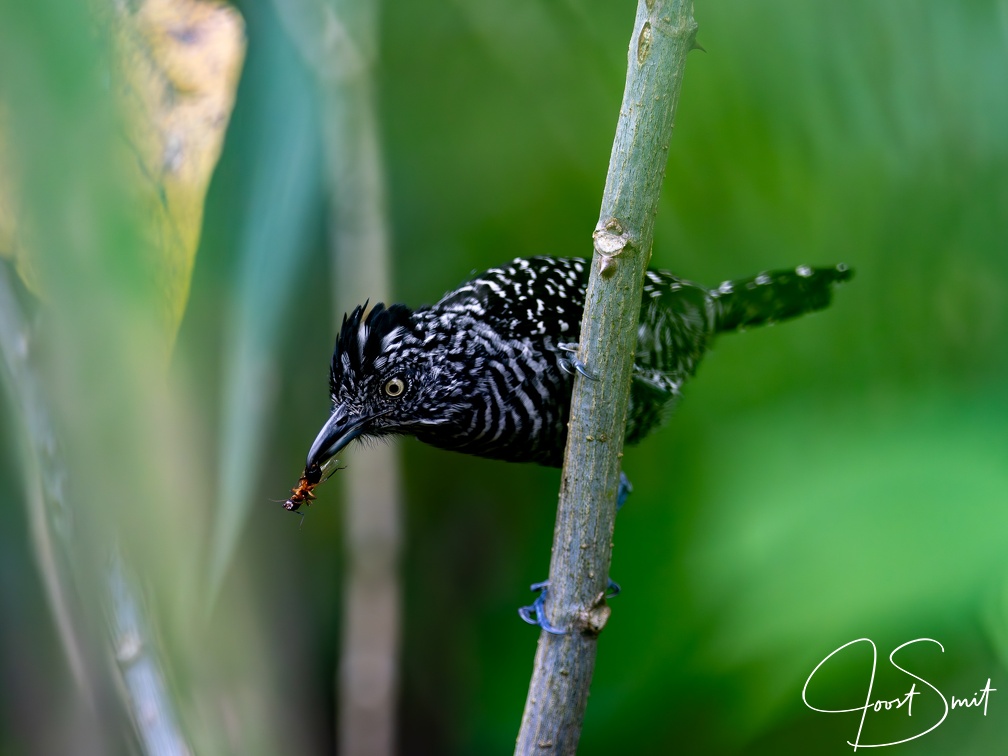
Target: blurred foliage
837 477
177 67
174 68
9 245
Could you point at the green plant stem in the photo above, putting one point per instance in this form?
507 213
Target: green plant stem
338 41
663 35
138 666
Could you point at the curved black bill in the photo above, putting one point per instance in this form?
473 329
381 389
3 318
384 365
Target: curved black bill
340 429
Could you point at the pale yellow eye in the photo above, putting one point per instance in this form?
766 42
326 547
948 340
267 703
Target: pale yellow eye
395 387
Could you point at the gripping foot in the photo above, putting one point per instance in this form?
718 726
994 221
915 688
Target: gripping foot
535 613
572 364
624 490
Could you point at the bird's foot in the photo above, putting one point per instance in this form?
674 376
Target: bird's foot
573 364
535 613
624 490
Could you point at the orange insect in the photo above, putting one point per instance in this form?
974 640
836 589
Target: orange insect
302 493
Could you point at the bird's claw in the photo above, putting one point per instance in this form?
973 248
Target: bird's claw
535 613
624 490
574 364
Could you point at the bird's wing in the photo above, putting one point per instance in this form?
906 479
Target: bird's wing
530 297
676 323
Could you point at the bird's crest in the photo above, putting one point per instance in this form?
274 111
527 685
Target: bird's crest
363 341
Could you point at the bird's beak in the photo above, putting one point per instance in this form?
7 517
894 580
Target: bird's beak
341 428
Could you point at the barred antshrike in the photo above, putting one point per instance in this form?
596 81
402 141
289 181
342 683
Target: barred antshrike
488 369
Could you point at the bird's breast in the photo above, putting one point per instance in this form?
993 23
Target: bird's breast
517 408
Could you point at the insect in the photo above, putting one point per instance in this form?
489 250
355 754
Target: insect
303 492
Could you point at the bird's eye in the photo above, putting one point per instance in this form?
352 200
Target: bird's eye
395 387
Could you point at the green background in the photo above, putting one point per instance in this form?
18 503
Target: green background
837 477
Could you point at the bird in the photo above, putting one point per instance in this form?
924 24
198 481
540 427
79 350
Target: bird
489 368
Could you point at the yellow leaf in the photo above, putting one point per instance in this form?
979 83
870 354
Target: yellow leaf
7 229
178 67
10 243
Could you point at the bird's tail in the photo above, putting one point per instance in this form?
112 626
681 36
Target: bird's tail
778 295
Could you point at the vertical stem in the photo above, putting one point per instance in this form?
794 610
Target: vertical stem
664 33
339 42
368 674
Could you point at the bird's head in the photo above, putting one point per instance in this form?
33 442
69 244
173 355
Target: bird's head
385 379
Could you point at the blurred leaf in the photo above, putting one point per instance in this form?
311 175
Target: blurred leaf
179 62
272 250
177 65
10 246
6 199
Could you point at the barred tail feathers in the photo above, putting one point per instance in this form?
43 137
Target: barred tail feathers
775 296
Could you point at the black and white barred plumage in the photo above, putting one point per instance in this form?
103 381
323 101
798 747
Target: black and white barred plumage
483 371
